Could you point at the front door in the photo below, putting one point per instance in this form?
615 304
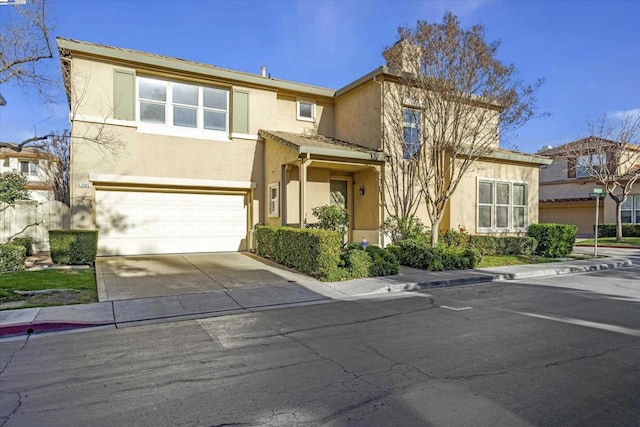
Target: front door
340 195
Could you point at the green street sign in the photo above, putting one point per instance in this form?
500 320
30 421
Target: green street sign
597 195
598 190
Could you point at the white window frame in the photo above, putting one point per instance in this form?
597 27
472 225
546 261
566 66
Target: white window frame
311 102
32 167
634 209
168 128
510 226
274 200
418 115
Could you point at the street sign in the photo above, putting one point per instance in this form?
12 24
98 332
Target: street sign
598 190
597 195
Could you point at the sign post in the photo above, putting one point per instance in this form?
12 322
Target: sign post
598 193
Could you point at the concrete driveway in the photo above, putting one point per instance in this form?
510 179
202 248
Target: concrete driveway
128 277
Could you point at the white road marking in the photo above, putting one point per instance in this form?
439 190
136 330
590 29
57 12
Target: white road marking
588 324
455 309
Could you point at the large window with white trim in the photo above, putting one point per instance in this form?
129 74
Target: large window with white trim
502 205
631 210
182 105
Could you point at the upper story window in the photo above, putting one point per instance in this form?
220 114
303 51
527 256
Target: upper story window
411 129
183 105
588 164
306 110
29 169
502 206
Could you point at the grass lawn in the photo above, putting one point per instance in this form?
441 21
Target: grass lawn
503 260
47 287
611 241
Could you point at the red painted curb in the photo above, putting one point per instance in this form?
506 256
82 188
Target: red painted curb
35 328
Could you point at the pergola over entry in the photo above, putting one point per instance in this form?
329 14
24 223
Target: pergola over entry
307 171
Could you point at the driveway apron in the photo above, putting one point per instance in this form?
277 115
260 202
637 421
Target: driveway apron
129 277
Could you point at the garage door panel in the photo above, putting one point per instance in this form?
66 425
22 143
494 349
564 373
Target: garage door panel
154 222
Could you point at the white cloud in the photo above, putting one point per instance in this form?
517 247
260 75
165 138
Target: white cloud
631 114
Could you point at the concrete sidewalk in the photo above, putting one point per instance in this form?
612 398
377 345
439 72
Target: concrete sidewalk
122 313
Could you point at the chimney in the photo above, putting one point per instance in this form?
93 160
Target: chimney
263 71
403 57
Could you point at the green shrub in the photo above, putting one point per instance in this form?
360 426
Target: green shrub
554 240
418 254
74 247
609 230
455 238
356 262
311 251
331 217
403 228
12 257
27 242
384 262
13 186
494 245
474 257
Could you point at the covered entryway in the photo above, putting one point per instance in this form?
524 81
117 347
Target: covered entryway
157 221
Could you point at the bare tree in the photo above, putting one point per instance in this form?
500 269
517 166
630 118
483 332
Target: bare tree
610 156
25 44
25 41
55 166
449 101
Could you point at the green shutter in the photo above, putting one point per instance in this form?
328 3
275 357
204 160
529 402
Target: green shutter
124 95
240 112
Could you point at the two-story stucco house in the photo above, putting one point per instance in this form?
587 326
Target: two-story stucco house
28 163
566 184
173 156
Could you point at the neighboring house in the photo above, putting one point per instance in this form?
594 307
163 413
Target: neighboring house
28 162
190 157
566 185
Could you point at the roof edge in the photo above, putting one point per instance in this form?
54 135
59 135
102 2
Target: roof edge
167 62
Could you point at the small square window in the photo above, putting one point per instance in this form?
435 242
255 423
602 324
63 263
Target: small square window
306 110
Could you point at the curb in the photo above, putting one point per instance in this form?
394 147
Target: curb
28 325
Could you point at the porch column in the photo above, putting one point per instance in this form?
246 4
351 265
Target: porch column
304 163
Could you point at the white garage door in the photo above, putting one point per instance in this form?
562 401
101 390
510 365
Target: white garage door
136 222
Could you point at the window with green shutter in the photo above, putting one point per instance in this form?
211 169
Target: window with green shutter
240 112
124 95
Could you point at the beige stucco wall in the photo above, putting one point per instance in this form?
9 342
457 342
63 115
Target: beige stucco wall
555 171
287 116
359 115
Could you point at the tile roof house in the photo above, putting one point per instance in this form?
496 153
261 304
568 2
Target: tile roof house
28 162
566 184
203 154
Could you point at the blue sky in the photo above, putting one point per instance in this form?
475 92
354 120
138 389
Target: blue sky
588 51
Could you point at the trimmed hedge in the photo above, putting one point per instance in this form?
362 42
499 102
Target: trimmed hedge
317 252
74 247
609 230
418 254
311 251
12 257
490 245
27 242
554 240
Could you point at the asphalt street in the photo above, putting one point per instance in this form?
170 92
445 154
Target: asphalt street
558 351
